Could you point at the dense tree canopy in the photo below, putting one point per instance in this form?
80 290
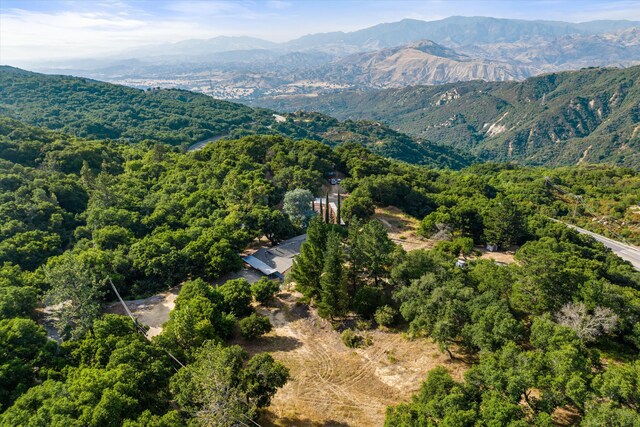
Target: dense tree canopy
75 214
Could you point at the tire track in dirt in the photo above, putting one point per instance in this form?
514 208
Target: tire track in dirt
368 366
331 383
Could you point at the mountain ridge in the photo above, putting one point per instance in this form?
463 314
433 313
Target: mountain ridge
591 115
92 109
420 62
475 27
504 49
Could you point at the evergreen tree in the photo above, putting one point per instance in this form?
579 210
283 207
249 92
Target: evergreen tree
377 250
86 176
296 206
333 287
307 266
77 291
502 223
338 210
327 215
355 257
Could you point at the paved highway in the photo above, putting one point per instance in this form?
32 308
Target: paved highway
624 251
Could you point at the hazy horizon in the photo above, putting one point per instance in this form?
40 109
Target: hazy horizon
35 31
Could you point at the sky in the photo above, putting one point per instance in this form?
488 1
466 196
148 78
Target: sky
37 30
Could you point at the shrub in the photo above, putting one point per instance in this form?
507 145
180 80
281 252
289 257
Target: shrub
364 325
264 289
385 315
253 326
350 338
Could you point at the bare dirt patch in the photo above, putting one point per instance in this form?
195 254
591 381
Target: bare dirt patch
566 416
402 228
332 385
152 312
504 257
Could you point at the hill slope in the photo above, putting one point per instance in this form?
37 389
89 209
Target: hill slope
92 109
591 115
422 62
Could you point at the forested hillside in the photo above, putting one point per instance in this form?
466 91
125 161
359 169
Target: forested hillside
586 116
92 109
557 331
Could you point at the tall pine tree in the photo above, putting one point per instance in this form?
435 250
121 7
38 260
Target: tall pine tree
334 298
377 250
338 210
355 257
307 267
327 214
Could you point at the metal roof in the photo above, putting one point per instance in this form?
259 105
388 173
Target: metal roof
277 258
259 265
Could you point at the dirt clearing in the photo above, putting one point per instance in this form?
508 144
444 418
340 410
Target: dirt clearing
503 257
402 228
152 312
332 385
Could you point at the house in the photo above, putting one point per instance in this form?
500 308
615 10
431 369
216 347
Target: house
276 261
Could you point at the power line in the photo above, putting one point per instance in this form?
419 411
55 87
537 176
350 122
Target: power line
137 325
141 329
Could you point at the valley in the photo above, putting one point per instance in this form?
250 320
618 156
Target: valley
556 119
391 55
415 223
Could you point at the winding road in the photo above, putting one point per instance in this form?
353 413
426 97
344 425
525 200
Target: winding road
623 250
200 145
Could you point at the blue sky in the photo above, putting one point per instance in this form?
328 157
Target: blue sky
48 29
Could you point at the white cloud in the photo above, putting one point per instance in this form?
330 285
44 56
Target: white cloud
91 29
28 35
96 28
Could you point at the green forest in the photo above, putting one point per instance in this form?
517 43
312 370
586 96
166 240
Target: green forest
92 109
82 209
555 119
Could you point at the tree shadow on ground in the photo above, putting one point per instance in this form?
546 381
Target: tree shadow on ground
270 420
278 343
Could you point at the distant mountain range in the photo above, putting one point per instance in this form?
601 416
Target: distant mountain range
198 47
391 55
455 31
586 116
423 62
